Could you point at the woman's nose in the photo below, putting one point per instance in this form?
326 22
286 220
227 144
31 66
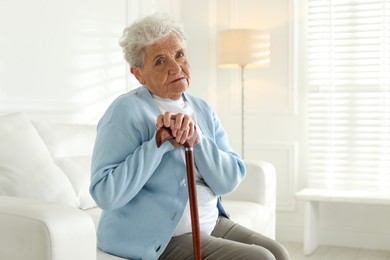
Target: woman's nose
174 67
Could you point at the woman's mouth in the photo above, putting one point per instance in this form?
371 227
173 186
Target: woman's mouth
177 80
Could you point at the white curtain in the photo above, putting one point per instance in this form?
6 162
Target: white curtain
348 77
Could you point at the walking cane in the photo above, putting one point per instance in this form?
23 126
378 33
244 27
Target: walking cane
165 134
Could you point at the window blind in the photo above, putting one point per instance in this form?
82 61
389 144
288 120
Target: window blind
348 76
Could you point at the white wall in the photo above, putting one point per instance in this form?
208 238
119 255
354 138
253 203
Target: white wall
61 57
60 61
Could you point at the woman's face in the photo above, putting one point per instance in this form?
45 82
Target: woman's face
166 69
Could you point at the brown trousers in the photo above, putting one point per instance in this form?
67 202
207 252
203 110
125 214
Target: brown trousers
227 241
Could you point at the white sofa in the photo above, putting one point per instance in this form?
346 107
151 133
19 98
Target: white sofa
46 211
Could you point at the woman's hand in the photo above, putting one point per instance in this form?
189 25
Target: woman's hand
181 125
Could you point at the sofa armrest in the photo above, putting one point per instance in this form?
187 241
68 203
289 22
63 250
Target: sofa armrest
31 229
258 186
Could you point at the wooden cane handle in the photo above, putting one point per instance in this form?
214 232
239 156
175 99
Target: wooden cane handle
165 134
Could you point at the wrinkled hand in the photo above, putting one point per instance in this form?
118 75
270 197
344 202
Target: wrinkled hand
182 128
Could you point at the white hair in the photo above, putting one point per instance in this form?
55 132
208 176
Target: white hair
145 32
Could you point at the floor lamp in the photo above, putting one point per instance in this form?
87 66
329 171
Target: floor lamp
242 48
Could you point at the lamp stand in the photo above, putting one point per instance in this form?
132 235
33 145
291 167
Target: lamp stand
242 112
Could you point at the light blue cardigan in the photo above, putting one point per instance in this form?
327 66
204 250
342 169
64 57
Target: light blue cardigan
142 189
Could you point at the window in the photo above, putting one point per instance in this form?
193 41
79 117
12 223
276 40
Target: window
348 76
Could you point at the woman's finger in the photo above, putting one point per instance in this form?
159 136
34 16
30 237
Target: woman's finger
168 119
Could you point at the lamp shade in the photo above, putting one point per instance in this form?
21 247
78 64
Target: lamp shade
242 47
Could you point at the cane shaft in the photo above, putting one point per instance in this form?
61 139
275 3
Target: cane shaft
193 204
165 134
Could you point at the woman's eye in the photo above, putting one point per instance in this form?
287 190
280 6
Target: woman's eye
180 54
159 62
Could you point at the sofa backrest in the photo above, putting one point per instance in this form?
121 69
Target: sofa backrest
66 140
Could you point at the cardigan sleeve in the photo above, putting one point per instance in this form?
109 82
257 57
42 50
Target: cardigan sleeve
121 167
220 167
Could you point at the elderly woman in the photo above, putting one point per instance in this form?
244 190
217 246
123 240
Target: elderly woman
141 188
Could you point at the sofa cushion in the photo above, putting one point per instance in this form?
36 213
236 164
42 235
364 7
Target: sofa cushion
26 166
71 147
251 215
95 214
78 171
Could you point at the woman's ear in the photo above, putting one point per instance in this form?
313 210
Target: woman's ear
138 74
